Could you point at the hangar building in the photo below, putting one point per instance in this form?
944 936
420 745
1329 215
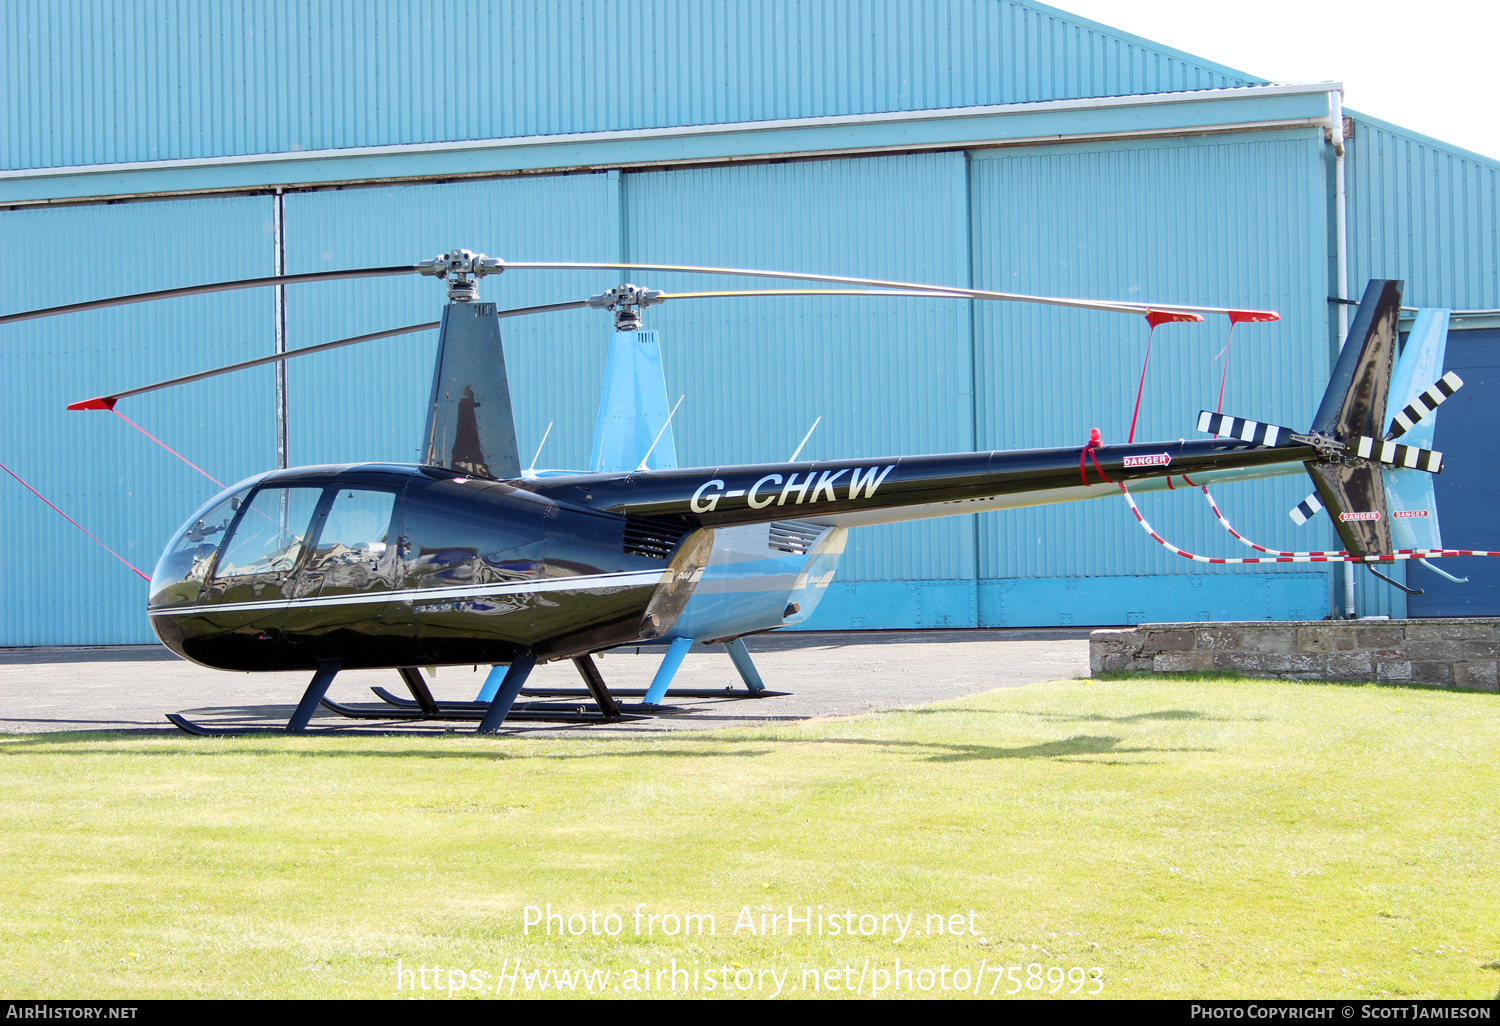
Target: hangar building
995 143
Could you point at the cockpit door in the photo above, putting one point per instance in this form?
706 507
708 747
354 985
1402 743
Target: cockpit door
252 583
347 576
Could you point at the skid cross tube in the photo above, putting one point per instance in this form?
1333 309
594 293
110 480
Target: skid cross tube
313 696
418 688
520 669
740 655
594 681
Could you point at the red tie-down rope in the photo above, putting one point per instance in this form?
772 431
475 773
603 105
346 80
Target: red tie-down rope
1153 318
165 446
70 520
1235 317
1088 450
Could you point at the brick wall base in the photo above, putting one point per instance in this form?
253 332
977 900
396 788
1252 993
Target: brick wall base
1452 652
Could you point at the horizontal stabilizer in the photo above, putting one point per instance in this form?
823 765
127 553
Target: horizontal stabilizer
1250 431
1428 400
1306 509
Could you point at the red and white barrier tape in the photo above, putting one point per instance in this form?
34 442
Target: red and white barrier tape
1309 557
1258 548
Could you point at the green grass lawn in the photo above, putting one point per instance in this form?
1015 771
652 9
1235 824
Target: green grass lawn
1229 838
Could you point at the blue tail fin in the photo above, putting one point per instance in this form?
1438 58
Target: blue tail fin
1409 493
633 407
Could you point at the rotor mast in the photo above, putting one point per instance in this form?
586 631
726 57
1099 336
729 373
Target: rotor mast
470 427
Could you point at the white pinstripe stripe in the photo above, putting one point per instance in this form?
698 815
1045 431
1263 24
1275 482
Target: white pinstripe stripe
590 582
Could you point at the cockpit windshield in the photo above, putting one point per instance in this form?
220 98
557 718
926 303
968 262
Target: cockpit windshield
180 572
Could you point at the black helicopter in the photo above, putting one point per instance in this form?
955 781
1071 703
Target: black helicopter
465 559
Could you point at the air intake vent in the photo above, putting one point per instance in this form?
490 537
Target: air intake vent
651 537
794 537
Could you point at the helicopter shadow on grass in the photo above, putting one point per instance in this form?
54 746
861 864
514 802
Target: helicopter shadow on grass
1060 717
1157 714
1085 748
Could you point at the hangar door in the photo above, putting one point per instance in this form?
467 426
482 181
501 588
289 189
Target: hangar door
1468 490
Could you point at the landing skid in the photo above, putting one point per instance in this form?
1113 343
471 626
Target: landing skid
316 689
489 715
726 693
183 723
474 714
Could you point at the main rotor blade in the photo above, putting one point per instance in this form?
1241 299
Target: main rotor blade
965 293
906 293
107 402
194 290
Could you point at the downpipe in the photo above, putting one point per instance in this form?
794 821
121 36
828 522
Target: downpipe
1341 285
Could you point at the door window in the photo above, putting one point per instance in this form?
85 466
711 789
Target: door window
354 550
269 537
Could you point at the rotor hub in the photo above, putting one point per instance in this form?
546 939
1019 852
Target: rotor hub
626 302
1331 449
461 269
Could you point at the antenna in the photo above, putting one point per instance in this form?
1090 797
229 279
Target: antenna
804 440
543 442
663 431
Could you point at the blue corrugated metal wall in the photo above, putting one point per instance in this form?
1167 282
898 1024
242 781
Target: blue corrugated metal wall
60 588
887 376
1427 213
555 360
164 79
1234 220
1222 219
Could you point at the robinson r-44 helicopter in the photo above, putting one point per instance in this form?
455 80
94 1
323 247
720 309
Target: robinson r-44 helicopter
466 558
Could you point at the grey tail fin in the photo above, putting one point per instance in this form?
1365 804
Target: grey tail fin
1354 406
1354 403
470 427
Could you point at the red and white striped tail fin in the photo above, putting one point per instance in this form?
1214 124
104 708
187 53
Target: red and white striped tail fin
1426 401
1306 509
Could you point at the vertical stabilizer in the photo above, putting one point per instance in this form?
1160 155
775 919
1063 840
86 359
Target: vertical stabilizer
1410 495
633 407
1354 403
470 428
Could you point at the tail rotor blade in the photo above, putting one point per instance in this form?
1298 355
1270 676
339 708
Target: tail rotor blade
1306 509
